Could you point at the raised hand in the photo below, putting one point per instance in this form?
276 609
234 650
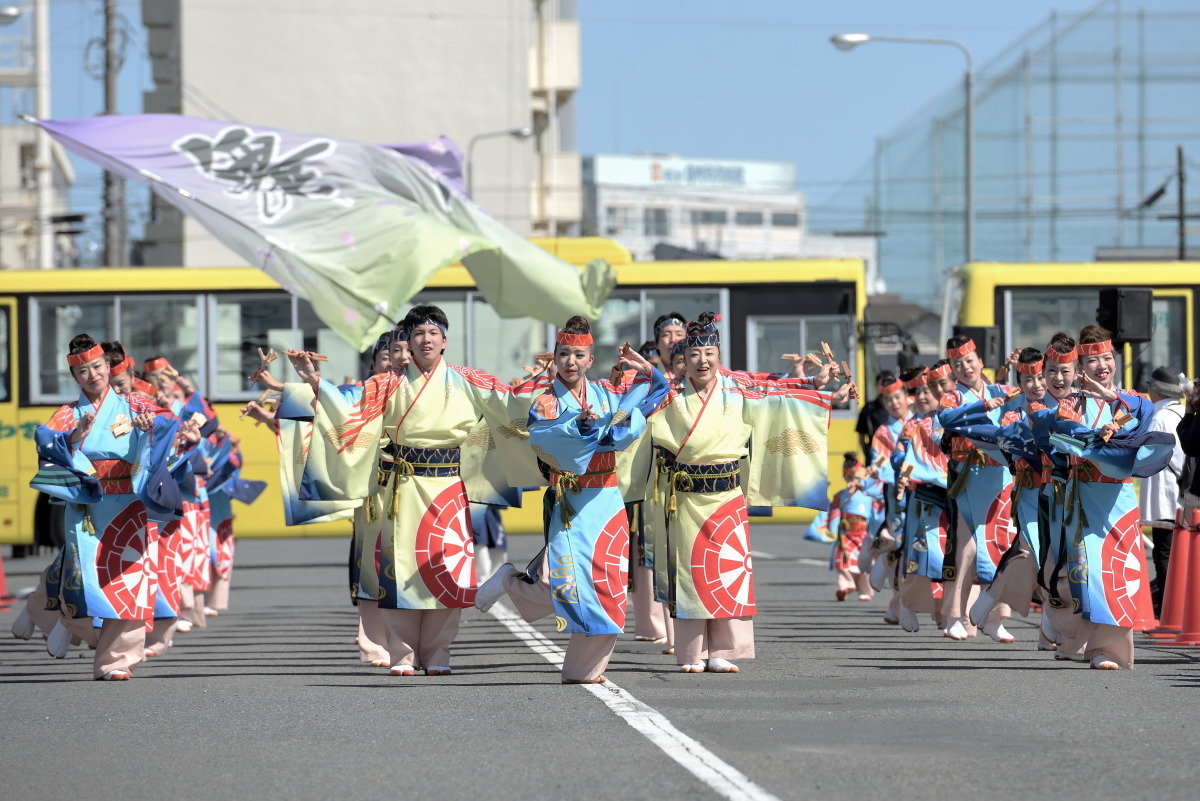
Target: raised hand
305 367
144 421
82 428
637 361
263 376
1091 388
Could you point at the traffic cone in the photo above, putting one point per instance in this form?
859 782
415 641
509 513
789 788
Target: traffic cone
1190 625
1143 619
1170 621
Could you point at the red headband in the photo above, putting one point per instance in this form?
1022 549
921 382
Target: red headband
895 386
89 355
961 350
917 381
1095 348
153 365
940 372
118 369
572 340
143 386
1030 369
1062 358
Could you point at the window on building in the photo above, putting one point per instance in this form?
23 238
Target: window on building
657 222
619 220
708 217
785 220
749 218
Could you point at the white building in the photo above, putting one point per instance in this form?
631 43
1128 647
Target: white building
724 208
381 72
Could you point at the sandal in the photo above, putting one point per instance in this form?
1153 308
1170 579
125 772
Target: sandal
116 675
437 670
719 665
696 668
402 670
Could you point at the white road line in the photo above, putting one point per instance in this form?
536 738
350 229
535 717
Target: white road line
722 777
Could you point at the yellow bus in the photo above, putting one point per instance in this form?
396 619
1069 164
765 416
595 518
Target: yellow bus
1028 303
211 322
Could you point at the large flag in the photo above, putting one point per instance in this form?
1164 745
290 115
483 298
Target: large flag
355 229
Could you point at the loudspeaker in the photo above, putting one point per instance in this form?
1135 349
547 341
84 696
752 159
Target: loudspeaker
987 342
1127 312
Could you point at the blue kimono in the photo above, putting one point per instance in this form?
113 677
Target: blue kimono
588 530
109 482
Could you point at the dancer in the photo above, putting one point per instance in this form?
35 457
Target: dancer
704 428
106 569
408 433
981 488
576 429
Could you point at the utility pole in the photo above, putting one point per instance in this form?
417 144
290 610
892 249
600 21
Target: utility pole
42 160
114 188
1182 203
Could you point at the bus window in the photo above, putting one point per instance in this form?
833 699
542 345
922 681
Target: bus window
1038 314
502 346
1168 348
688 302
620 321
241 324
768 337
160 326
55 321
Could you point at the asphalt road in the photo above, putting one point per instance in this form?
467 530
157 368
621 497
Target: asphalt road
270 702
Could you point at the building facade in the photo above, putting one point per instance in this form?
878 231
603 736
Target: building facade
386 73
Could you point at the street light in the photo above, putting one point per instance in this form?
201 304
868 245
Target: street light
9 14
849 41
516 133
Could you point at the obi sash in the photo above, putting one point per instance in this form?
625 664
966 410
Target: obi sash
407 461
115 476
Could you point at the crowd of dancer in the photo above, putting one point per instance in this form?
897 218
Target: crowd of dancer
651 463
146 476
975 500
982 499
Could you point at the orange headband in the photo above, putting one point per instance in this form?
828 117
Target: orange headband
961 350
1062 358
122 367
940 372
153 365
895 386
1095 348
917 381
89 355
1030 369
572 340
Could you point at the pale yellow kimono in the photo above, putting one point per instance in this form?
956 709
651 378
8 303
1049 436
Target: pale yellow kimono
773 436
426 556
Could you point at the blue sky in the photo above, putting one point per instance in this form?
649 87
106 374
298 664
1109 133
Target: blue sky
701 78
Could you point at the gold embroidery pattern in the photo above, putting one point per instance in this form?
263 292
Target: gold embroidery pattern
793 441
480 438
516 429
547 458
620 415
134 469
361 441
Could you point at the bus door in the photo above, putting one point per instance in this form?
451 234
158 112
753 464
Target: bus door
11 438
